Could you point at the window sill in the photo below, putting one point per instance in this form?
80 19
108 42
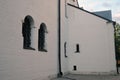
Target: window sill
77 52
43 50
29 48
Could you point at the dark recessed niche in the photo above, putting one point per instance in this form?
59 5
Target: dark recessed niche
27 25
42 38
65 51
74 67
77 48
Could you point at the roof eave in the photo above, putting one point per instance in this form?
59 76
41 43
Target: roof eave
90 13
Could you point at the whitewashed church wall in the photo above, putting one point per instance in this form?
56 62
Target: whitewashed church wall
17 63
64 36
111 45
96 43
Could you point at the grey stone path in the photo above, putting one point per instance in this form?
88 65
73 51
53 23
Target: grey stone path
89 77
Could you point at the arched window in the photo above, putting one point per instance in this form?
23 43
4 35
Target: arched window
41 38
27 25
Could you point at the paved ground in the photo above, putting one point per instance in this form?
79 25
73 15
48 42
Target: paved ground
89 77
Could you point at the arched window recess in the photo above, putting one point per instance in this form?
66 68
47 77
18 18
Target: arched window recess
27 26
42 37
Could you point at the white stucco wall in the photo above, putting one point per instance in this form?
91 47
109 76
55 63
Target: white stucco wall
65 34
17 63
96 40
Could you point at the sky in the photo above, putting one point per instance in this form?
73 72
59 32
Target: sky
101 5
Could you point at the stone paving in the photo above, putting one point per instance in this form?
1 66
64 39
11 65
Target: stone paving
89 77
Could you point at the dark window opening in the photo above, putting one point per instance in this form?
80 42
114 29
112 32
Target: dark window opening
65 45
77 48
74 67
26 32
41 38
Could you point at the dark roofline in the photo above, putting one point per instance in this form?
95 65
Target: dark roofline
91 13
